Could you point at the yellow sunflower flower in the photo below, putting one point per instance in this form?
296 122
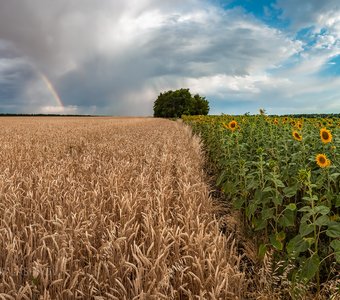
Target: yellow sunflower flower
326 136
298 125
297 136
322 160
232 125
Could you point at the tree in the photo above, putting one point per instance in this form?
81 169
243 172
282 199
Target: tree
174 104
200 105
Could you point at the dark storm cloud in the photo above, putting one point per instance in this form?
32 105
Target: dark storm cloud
176 50
48 31
15 74
118 55
219 46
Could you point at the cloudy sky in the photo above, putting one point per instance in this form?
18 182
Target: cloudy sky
114 57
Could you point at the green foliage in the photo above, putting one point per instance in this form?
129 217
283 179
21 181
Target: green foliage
288 201
174 104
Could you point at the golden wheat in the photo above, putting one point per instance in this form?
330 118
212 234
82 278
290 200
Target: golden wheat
107 208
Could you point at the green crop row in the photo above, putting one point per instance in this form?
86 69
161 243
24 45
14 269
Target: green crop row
284 175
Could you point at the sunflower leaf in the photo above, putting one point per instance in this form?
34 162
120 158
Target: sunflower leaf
262 250
305 229
321 209
288 219
333 230
336 247
290 191
310 267
322 221
297 245
275 242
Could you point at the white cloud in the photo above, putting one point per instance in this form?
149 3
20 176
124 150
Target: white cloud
325 41
323 17
246 86
115 56
101 54
59 110
306 13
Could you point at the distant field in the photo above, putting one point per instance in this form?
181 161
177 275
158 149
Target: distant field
105 208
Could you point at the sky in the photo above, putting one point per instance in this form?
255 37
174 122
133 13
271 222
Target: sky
114 57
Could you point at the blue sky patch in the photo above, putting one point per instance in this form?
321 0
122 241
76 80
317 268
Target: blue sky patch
264 10
332 67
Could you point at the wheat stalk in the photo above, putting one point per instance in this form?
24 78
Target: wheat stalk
110 208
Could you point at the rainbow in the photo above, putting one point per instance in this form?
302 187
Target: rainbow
51 88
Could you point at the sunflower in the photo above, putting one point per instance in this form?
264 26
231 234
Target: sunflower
298 125
232 125
275 121
297 136
322 161
326 136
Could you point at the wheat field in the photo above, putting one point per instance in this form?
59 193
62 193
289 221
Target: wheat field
109 208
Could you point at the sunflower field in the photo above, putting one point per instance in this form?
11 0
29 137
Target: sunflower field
283 174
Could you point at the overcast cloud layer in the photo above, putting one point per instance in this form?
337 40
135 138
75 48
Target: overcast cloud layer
116 56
